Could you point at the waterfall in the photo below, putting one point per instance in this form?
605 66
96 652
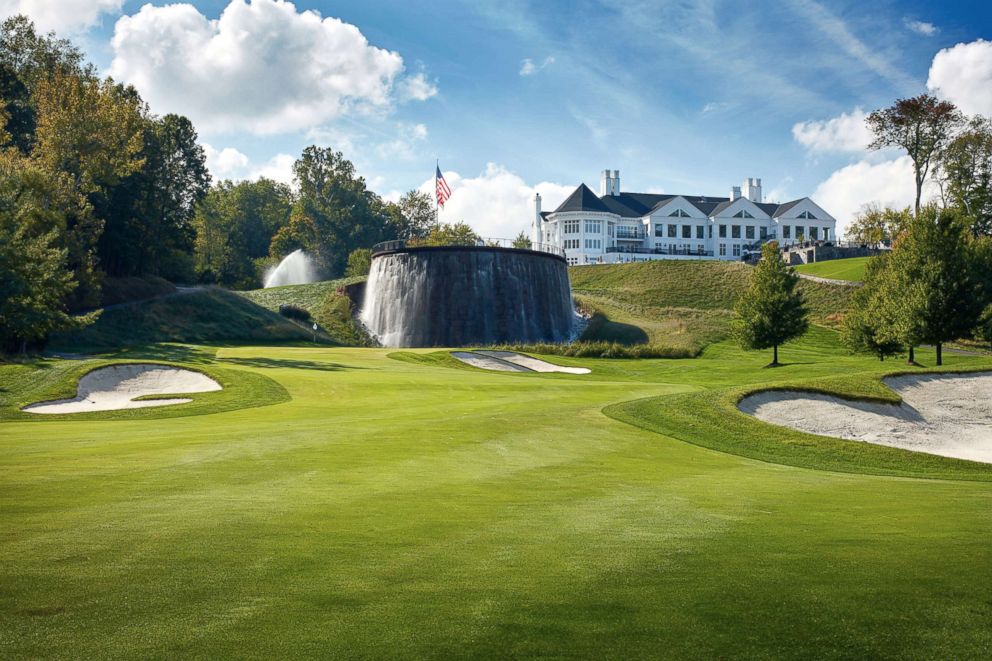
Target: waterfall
467 296
296 268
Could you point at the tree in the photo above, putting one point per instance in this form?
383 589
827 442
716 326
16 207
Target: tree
417 216
922 125
34 276
935 296
771 311
522 241
456 234
359 262
965 174
875 225
983 331
867 326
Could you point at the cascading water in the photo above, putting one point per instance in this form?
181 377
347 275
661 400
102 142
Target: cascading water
296 268
427 297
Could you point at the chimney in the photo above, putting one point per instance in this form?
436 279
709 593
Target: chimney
605 184
616 183
752 189
735 193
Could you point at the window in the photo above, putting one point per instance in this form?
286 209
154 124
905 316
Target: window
593 227
737 250
573 261
786 232
571 227
814 233
763 232
743 213
571 244
735 231
672 231
749 232
807 214
609 229
723 250
687 231
826 233
659 230
711 231
594 244
700 231
723 231
678 213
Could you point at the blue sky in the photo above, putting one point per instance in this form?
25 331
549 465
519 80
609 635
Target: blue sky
679 96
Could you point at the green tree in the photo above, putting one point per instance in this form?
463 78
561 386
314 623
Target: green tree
771 311
522 241
922 126
867 326
417 216
34 277
983 331
874 225
359 262
935 296
965 174
449 234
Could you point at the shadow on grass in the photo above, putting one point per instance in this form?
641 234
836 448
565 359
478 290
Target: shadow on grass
177 353
269 363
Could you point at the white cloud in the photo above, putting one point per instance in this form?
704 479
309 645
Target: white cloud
405 145
529 68
63 16
714 106
962 74
920 27
498 203
889 183
229 163
261 67
848 132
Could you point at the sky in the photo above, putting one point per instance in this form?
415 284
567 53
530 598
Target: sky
516 97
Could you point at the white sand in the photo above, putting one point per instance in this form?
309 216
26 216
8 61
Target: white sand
533 364
487 362
115 387
944 414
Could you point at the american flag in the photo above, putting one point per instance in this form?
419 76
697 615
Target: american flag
443 192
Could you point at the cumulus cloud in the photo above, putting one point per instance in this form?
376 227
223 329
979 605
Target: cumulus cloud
497 203
962 74
529 68
262 66
889 183
848 132
229 163
920 27
63 16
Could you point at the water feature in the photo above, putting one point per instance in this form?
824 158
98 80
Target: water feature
461 296
296 268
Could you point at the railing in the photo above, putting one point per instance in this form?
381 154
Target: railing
402 244
628 235
659 251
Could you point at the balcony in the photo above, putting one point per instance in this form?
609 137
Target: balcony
630 234
659 251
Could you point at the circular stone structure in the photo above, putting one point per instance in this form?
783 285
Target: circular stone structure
453 296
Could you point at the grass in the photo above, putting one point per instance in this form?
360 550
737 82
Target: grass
208 315
851 269
331 310
678 307
397 505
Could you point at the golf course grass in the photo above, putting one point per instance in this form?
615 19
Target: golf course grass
851 269
392 504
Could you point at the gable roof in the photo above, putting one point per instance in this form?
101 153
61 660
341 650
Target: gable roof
582 199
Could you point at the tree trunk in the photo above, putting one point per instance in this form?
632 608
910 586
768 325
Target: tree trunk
775 359
912 356
940 353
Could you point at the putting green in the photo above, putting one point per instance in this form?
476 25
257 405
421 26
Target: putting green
412 508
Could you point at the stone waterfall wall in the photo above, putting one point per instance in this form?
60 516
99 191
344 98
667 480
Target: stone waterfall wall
462 296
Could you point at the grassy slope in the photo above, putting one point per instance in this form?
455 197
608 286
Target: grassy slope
852 269
681 304
210 315
402 508
332 311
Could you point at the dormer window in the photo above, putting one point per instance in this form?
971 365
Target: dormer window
807 214
743 213
678 213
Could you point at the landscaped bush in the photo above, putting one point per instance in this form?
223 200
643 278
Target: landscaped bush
602 350
294 312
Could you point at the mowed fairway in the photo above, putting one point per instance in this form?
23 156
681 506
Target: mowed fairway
416 509
851 269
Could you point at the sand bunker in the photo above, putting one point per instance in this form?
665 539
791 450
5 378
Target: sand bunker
116 387
944 414
510 361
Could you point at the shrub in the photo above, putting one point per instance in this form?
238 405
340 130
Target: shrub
294 312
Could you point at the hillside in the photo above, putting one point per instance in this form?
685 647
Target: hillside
851 269
206 315
678 305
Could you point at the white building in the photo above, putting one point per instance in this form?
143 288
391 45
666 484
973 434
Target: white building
617 226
